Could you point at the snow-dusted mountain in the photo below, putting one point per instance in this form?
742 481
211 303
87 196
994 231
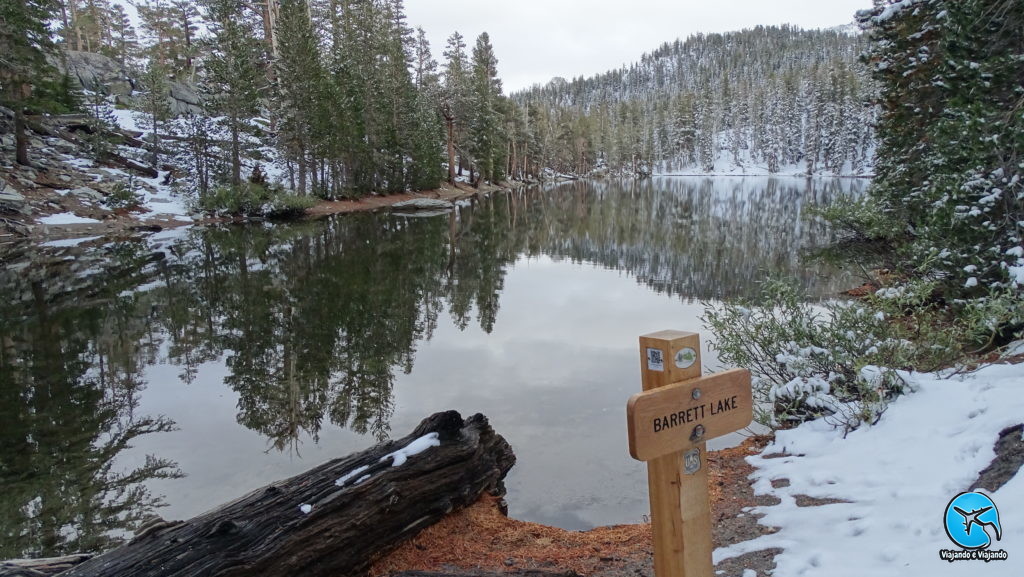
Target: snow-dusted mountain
760 101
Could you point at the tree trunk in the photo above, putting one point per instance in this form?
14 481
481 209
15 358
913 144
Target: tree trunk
20 138
450 122
236 153
301 156
360 507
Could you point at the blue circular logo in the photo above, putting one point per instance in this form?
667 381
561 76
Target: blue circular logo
968 516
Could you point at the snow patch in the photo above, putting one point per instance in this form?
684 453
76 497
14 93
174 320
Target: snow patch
416 447
66 218
894 481
306 508
341 480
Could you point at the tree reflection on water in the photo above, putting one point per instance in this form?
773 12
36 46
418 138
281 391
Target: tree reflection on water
314 320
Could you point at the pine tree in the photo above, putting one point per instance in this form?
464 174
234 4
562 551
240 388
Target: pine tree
25 41
485 93
454 103
155 106
300 89
234 73
101 122
196 156
124 42
170 27
426 135
949 174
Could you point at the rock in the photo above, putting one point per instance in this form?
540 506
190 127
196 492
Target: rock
422 204
95 71
11 196
12 201
183 99
98 72
88 193
424 213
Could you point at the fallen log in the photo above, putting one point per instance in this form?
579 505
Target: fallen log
41 567
333 520
124 162
482 573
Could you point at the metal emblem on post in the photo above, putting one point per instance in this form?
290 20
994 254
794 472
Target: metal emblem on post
691 461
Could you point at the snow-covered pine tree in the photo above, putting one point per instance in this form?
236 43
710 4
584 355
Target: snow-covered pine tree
426 134
951 152
455 100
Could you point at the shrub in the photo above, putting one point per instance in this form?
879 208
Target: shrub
123 195
838 360
254 199
290 206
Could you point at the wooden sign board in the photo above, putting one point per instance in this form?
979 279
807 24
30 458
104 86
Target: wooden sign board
666 420
669 424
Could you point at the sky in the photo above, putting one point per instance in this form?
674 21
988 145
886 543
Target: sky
537 40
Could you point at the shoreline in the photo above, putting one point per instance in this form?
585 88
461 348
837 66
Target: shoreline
128 224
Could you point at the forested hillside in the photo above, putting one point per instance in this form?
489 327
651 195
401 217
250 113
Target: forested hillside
238 103
767 100
329 97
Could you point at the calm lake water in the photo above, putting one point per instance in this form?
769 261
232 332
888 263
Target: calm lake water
241 355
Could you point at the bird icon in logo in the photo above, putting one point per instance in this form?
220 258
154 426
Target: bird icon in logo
967 516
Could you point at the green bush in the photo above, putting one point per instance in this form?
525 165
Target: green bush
253 199
837 360
290 206
123 195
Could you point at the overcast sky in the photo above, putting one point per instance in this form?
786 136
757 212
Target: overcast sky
537 40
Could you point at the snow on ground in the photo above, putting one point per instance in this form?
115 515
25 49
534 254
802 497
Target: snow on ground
898 477
743 164
66 218
164 200
128 119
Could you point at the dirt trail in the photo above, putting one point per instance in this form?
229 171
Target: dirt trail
481 538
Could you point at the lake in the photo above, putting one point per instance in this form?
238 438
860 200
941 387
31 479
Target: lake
190 367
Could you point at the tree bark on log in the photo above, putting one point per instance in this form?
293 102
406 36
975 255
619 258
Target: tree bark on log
41 567
362 506
482 573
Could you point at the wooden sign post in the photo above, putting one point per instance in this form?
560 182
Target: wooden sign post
669 425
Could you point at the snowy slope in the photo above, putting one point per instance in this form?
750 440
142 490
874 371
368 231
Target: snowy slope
897 478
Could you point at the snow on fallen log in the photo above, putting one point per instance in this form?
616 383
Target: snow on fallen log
332 520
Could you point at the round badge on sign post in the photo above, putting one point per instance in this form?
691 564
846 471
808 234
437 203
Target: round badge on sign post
685 358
